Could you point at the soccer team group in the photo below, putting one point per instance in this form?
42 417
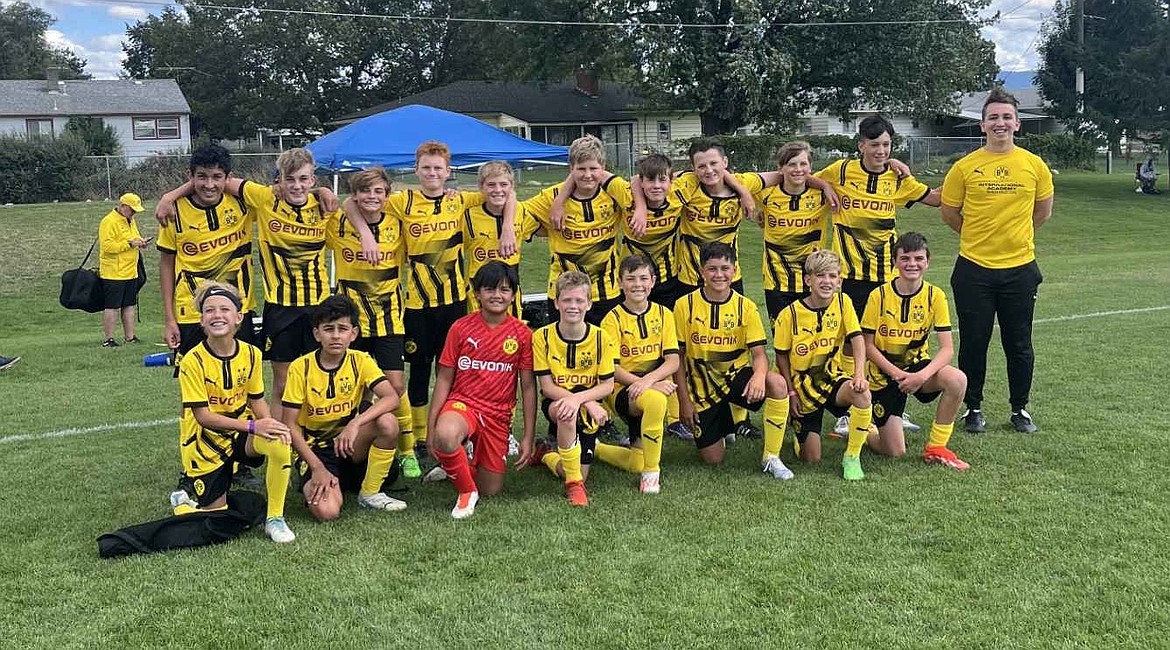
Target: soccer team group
650 321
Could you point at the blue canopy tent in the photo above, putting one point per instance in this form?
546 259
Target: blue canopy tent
389 139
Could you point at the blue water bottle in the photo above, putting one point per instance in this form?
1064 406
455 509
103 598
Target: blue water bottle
159 359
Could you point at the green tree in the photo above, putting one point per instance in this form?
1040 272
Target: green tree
25 54
100 138
1124 58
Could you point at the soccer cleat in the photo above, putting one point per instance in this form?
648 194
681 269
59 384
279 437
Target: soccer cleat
908 426
539 450
1022 422
649 483
746 429
777 469
244 479
575 491
8 362
610 434
410 468
513 446
278 531
381 501
109 343
841 429
974 422
729 439
435 475
182 503
465 505
133 339
680 431
851 468
943 456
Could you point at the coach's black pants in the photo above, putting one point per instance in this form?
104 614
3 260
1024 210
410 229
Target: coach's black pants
981 295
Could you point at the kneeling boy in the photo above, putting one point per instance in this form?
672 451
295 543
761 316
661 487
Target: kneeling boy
722 340
333 440
575 363
486 352
810 335
898 319
225 419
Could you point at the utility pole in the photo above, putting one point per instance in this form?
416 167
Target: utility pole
1080 79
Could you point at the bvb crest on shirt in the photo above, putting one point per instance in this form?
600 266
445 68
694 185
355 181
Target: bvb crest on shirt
886 188
511 345
585 360
729 321
918 314
831 321
1002 172
345 384
811 203
230 217
241 376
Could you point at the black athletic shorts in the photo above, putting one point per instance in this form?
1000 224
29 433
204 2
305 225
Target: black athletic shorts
386 350
426 330
621 404
595 314
586 431
209 487
287 332
858 293
890 400
119 294
667 292
716 421
349 474
776 301
811 422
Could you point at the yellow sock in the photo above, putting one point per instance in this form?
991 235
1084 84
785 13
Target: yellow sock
571 462
419 414
795 446
738 414
940 434
654 407
775 421
377 468
551 460
859 421
672 408
405 417
276 472
629 459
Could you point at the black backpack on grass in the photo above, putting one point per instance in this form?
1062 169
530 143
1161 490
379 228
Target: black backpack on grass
245 510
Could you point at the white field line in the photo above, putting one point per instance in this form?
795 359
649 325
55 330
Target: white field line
64 433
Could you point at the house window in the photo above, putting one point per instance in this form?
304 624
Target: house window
558 135
39 128
516 130
664 131
156 128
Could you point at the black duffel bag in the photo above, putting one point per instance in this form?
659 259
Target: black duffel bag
81 288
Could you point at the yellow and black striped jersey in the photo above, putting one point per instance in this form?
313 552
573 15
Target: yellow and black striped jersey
292 247
326 399
863 230
374 288
209 243
642 339
901 325
997 192
794 227
482 245
716 340
706 218
658 244
574 365
433 230
813 341
223 385
587 242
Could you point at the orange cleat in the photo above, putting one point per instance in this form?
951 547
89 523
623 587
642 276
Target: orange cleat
943 456
575 491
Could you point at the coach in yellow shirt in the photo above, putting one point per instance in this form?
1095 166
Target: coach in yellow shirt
118 267
996 198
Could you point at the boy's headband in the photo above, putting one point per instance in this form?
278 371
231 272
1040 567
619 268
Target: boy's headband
219 291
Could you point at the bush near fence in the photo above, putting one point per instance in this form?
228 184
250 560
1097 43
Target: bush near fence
40 170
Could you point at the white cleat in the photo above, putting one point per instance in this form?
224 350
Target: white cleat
776 467
381 501
435 475
465 505
278 531
649 483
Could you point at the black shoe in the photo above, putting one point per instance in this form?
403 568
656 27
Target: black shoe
1022 422
8 362
109 343
610 434
245 479
426 462
746 429
133 339
974 422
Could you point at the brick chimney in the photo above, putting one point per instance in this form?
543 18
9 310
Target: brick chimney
52 77
587 83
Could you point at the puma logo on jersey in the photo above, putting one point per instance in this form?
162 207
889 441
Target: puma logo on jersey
474 343
316 390
977 171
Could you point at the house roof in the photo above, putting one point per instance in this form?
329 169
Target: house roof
1031 105
539 102
92 97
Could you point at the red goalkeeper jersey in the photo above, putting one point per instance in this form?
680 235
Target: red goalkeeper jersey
487 361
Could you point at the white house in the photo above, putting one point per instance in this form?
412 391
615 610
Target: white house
149 115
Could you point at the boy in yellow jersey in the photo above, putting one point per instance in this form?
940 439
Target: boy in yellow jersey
484 227
292 255
574 362
794 217
335 440
585 239
209 239
435 281
120 247
722 340
373 285
647 363
996 198
897 323
225 419
809 336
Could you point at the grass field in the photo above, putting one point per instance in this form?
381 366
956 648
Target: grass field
1051 541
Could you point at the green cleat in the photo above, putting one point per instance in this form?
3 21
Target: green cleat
851 468
410 467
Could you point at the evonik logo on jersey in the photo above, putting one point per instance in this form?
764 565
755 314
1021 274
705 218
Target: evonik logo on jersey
192 248
467 363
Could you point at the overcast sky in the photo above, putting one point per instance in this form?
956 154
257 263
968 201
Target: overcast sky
94 29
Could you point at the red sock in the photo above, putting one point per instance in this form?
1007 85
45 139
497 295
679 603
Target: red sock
455 464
